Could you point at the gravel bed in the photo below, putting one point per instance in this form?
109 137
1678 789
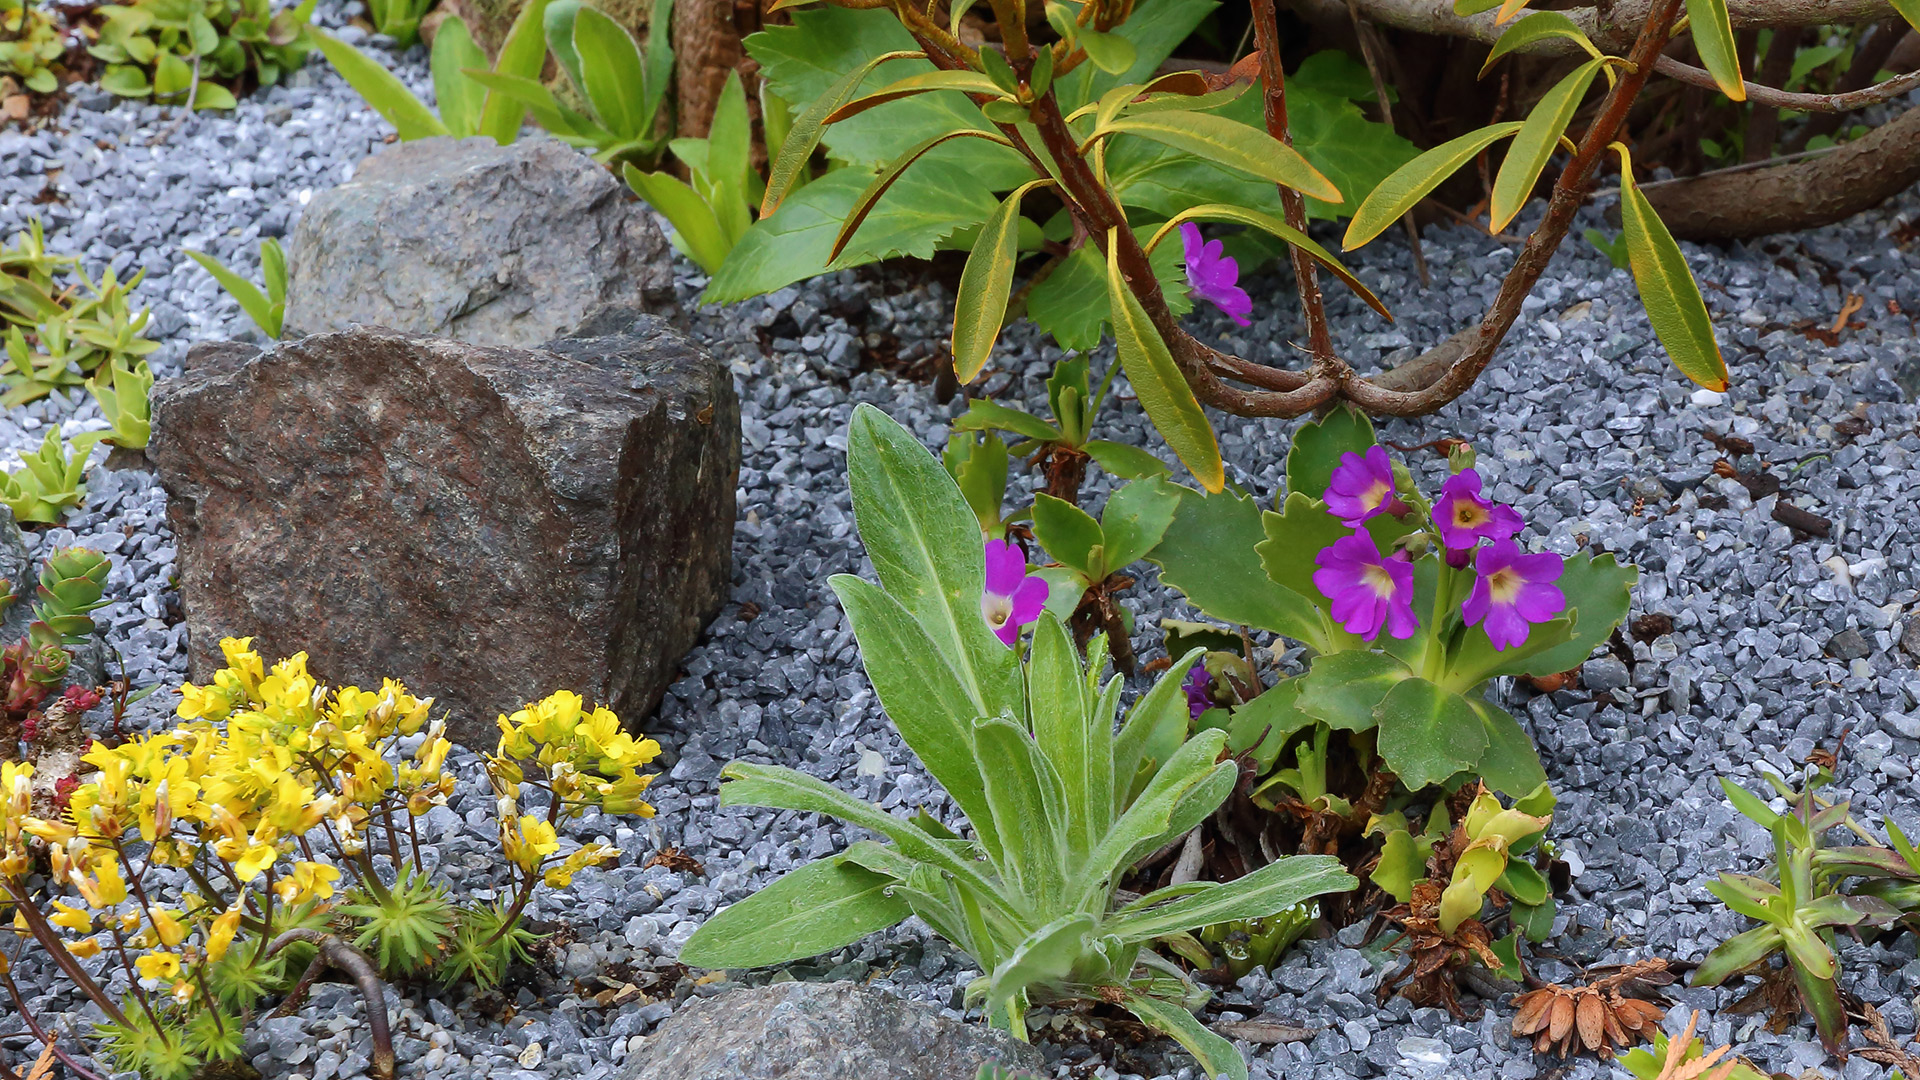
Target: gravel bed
1779 644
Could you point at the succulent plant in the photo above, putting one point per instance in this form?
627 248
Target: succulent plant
198 51
49 479
71 584
124 400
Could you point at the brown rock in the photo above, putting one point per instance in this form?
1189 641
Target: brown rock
487 525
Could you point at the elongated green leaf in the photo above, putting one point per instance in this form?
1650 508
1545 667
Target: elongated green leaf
1232 144
1407 185
1078 743
1427 734
1749 804
784 789
1146 820
694 224
273 271
970 82
925 544
984 415
1909 10
546 110
523 53
1343 689
1069 534
1273 888
980 306
1155 728
864 205
1159 386
1216 1056
1046 957
1533 146
611 67
1672 298
1029 810
815 909
1536 28
460 98
388 96
659 60
1275 227
1719 53
252 300
1110 53
557 23
921 694
1209 553
797 150
1126 462
729 146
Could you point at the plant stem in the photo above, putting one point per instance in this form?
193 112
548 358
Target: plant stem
42 932
1266 37
344 957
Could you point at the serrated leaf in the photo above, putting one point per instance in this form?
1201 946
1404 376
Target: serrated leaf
1712 31
1407 185
980 305
1427 734
1232 144
1072 304
1320 444
1157 383
1534 144
888 176
1343 689
1667 289
1209 554
796 151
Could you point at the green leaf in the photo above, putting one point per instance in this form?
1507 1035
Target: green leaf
1277 228
887 176
1075 741
1524 884
1273 888
1209 554
1028 800
1158 385
659 61
920 82
729 145
522 53
1750 805
1155 30
1511 766
926 547
1126 462
1476 660
1736 954
1427 734
694 225
931 202
1154 730
1407 185
252 300
546 110
1535 28
1232 144
1667 289
1402 864
1302 528
1713 37
1343 689
611 68
212 95
984 415
1262 726
818 908
460 98
1070 535
1145 820
1318 446
1135 519
980 306
1045 958
789 166
557 24
386 94
1110 53
1216 1056
921 694
1600 590
1071 303
1533 146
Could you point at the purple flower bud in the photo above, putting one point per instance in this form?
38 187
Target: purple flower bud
1368 592
1465 517
1012 598
1363 487
1213 276
1199 688
1514 590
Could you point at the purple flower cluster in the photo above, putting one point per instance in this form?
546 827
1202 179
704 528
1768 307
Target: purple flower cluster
1511 591
1199 688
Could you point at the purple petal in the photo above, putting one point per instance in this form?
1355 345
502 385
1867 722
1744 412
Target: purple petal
1028 601
1539 602
1401 621
1545 566
1006 566
1008 633
1505 628
1474 608
1506 522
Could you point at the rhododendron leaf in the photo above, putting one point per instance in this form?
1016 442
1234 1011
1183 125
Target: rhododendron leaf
1342 689
815 909
1511 765
984 415
1713 37
1427 734
980 305
1667 289
1319 444
1232 144
1208 553
1535 143
792 160
1157 382
1536 28
921 82
1402 190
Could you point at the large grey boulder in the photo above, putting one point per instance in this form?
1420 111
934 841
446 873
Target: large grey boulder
487 525
820 1031
497 245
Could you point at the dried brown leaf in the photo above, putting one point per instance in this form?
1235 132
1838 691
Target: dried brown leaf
1588 1014
1561 1019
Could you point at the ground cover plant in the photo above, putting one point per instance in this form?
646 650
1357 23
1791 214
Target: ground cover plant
270 837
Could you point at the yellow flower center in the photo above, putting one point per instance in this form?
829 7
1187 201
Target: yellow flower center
1377 579
1467 514
1504 585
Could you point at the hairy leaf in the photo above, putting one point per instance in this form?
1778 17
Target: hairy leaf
815 909
1216 1056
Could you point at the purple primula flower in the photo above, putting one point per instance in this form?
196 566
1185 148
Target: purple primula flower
1368 592
1199 688
1514 590
1362 487
1213 276
1465 517
1013 599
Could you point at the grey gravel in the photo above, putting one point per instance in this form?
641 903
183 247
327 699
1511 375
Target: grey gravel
1580 423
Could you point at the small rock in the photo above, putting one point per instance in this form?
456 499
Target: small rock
1604 673
1910 635
1849 645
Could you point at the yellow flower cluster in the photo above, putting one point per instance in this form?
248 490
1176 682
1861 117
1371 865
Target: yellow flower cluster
587 758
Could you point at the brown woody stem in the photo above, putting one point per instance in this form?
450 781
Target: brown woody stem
355 964
1273 80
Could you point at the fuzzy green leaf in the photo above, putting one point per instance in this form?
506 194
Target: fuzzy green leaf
818 908
1216 1056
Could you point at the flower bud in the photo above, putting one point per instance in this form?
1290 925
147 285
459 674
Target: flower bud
1460 455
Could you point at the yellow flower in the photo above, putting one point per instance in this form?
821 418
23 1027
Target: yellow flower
204 702
72 918
308 881
166 927
221 932
85 948
528 841
157 967
244 662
